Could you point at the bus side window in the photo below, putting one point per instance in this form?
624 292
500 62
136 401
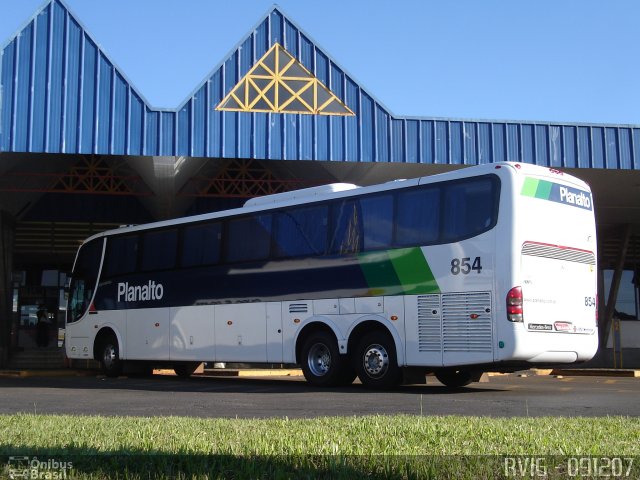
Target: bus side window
159 250
300 231
468 208
201 245
418 216
377 220
346 231
122 255
248 238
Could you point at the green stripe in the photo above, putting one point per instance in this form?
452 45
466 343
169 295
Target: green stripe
379 273
536 188
544 190
529 187
395 272
413 271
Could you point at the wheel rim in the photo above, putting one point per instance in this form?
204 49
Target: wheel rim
319 360
109 356
375 360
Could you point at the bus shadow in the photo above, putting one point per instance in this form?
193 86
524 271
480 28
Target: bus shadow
293 384
214 384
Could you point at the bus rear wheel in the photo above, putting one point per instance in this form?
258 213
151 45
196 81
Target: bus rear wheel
321 362
453 378
110 357
376 361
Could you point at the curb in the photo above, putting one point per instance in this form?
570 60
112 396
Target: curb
239 373
295 372
45 373
207 373
596 372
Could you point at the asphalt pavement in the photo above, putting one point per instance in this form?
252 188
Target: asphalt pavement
273 396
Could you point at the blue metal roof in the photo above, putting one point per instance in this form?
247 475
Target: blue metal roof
61 93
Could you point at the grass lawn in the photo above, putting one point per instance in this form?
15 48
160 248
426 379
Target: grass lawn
341 447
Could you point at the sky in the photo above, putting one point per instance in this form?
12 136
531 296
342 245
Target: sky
535 60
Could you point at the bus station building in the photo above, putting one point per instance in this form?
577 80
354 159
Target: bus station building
82 151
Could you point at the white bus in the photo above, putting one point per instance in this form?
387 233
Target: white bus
486 268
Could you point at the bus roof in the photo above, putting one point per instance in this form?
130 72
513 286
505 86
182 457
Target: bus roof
302 194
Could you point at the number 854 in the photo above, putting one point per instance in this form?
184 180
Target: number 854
465 266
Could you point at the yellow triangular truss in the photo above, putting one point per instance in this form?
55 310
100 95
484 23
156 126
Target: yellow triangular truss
279 83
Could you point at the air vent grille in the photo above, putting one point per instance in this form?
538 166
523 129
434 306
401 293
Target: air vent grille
558 253
429 328
298 308
466 322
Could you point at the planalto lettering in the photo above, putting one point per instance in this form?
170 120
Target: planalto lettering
140 293
580 199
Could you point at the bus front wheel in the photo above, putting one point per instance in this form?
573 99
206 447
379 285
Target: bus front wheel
321 361
457 378
376 361
110 357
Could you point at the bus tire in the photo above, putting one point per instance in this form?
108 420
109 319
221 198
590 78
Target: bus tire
110 356
185 370
376 361
321 362
453 378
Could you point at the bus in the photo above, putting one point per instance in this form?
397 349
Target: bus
487 268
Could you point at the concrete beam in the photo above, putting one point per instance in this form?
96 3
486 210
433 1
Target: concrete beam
7 234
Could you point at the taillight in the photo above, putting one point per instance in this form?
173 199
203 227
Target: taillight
514 305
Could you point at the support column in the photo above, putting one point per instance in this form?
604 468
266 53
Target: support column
7 234
605 324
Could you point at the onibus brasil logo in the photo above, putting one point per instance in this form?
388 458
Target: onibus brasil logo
32 468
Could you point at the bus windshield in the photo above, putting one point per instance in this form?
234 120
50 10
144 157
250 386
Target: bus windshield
83 279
